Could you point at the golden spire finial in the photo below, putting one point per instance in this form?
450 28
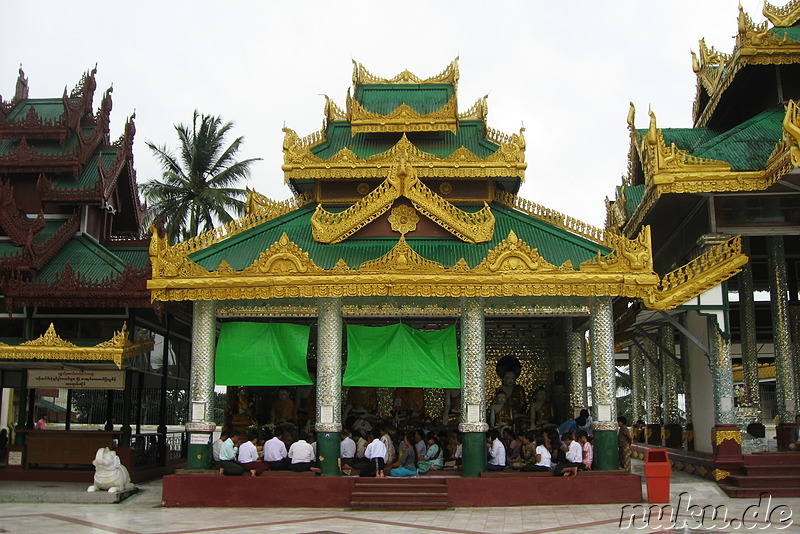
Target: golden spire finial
695 62
631 116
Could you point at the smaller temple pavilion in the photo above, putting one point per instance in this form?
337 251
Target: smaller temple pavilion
405 214
81 343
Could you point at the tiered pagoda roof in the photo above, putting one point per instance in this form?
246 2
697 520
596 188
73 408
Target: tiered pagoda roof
70 214
745 133
400 195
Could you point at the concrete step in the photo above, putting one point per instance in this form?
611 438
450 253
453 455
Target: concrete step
772 470
754 493
764 481
395 506
400 488
402 480
359 496
772 458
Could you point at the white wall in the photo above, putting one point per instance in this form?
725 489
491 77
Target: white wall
700 383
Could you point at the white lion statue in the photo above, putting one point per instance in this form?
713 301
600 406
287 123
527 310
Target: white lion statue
109 474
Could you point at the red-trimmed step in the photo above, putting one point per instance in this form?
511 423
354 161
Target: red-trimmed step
775 473
399 494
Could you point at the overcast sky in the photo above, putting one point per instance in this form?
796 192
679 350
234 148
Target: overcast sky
566 70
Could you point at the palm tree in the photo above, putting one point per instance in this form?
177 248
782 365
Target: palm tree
197 188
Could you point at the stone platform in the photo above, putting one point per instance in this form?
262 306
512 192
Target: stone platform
60 492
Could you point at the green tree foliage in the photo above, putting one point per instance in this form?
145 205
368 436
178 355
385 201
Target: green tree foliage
197 188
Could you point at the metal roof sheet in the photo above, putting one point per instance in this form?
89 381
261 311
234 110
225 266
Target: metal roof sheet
46 108
87 257
470 135
554 244
747 146
385 98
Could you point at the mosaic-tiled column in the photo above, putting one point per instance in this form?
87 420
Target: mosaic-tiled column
687 384
785 388
201 383
329 384
604 426
576 359
473 387
672 430
653 389
747 322
637 383
726 438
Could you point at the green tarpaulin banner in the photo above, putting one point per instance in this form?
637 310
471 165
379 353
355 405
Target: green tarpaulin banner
399 356
262 354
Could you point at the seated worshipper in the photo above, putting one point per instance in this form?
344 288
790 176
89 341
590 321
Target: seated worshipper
360 408
497 452
527 452
275 454
375 453
512 444
434 456
283 409
227 456
347 449
386 439
542 412
248 456
571 426
408 459
301 454
500 413
408 405
361 444
588 426
794 443
217 445
557 448
588 450
574 458
41 424
458 455
419 436
543 456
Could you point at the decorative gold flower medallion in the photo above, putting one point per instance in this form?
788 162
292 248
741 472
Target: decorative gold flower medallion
403 219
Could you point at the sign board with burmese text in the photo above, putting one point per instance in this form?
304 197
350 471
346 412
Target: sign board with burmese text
76 379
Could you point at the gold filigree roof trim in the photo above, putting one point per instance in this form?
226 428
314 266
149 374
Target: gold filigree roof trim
514 255
258 210
282 257
361 76
708 270
401 258
565 222
300 163
631 255
49 346
328 227
403 118
478 112
782 16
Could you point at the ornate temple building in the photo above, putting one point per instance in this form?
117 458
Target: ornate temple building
78 320
732 172
405 211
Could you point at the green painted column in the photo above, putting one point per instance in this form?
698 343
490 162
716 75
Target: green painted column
200 427
473 388
329 384
604 426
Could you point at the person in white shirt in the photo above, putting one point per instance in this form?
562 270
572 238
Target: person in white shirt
361 444
301 454
497 452
275 453
347 449
217 445
574 457
376 454
248 456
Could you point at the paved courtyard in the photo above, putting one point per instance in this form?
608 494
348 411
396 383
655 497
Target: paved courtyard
142 514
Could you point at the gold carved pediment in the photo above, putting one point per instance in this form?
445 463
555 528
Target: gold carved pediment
282 257
514 255
401 258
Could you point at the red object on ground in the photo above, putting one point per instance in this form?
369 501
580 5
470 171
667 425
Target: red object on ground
657 472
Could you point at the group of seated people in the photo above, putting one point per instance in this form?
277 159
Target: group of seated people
382 452
562 454
236 455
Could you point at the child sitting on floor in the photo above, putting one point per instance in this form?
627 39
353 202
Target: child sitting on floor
588 449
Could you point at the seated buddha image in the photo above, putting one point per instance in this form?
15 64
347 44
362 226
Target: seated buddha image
508 369
408 405
501 415
283 408
543 414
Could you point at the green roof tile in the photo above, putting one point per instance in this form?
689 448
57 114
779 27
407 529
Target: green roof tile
470 135
792 33
90 174
240 251
385 98
136 257
87 257
47 108
747 146
687 138
633 197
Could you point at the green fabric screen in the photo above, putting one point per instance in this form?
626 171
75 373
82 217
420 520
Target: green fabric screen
399 356
262 354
